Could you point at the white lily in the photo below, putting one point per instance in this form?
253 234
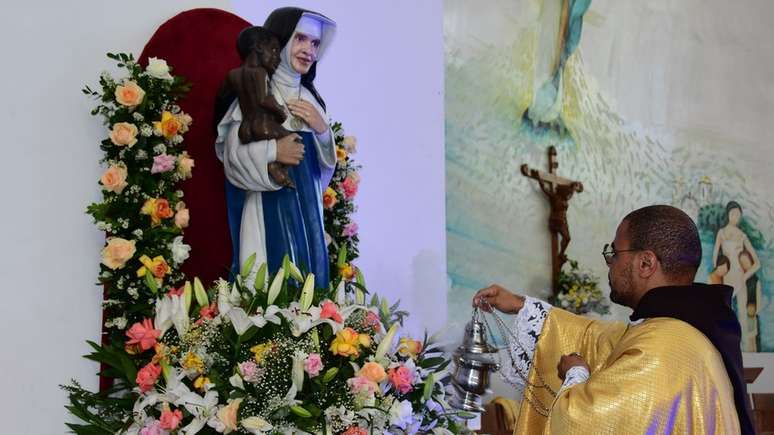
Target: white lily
228 306
260 318
236 381
170 310
202 409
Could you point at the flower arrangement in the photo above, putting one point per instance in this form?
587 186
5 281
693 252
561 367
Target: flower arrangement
579 292
341 231
272 356
141 211
280 356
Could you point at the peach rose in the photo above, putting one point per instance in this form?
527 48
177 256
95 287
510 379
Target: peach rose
350 144
228 415
157 209
373 372
185 165
114 178
185 121
129 94
182 216
124 133
117 252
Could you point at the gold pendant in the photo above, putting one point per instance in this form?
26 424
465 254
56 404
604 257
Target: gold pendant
296 123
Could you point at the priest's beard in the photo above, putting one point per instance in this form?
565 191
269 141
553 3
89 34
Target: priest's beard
621 291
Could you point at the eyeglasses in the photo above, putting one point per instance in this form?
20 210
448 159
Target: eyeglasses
608 252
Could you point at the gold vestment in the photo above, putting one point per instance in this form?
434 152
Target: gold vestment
661 376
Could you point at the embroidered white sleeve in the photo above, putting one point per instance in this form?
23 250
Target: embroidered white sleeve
576 375
528 325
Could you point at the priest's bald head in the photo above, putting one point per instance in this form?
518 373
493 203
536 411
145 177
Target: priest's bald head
654 246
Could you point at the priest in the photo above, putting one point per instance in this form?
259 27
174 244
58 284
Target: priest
675 368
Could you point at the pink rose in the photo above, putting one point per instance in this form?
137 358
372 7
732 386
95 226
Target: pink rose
349 187
170 420
143 334
114 178
372 320
401 378
123 134
153 428
349 229
163 163
147 376
117 252
361 384
355 430
313 365
250 371
182 215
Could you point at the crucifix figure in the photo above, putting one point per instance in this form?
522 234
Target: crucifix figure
559 190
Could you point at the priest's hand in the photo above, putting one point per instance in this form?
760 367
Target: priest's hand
566 362
290 150
306 111
498 297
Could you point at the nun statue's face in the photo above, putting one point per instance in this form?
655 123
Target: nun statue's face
303 52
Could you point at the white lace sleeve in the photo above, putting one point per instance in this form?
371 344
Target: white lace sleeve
528 325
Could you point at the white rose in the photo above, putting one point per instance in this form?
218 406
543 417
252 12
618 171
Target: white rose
158 68
180 251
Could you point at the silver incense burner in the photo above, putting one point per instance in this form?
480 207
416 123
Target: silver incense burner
474 361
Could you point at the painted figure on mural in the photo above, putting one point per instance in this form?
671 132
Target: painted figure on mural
754 302
731 242
561 22
265 217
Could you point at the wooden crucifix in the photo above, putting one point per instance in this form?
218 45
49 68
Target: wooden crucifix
559 190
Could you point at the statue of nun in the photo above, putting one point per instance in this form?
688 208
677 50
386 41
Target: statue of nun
266 218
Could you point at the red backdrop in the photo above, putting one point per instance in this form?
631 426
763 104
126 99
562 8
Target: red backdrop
200 45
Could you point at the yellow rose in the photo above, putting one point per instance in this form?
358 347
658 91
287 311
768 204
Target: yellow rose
185 165
169 125
129 94
228 415
329 198
409 347
347 271
117 252
114 178
346 343
372 371
123 133
341 154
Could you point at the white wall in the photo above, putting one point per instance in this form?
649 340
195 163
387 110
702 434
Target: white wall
383 79
50 250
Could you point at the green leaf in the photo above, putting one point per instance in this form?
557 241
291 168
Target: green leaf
428 389
426 363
